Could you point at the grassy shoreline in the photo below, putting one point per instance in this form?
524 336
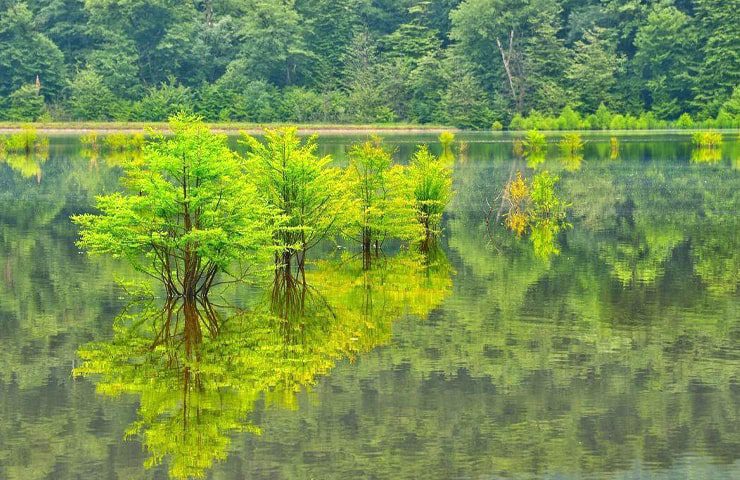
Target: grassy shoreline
79 128
74 128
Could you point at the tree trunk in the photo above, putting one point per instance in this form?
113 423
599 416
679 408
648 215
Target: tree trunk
507 57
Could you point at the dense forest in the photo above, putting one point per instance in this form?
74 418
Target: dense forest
469 63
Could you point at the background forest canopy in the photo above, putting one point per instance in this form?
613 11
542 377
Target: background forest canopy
468 63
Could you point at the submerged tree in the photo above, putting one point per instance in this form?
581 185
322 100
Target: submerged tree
188 212
381 200
432 182
535 143
447 140
571 144
302 188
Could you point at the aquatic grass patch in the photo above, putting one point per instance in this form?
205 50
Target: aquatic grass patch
120 142
709 140
26 141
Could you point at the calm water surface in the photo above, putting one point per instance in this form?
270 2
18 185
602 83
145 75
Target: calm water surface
617 358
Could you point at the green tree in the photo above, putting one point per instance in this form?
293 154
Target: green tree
413 40
431 179
90 99
665 45
117 63
65 23
381 200
26 104
426 84
164 101
732 105
300 187
157 36
272 45
376 90
27 54
465 103
514 46
593 70
331 26
719 71
188 213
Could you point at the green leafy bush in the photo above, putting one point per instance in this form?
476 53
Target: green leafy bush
571 144
534 142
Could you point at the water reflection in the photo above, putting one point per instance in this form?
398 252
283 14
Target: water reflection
198 373
618 358
26 165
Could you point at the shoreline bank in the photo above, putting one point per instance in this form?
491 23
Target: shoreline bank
79 128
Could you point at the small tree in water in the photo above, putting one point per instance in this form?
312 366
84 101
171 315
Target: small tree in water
432 182
381 202
187 215
302 189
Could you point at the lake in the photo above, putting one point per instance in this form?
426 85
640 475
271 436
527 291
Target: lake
614 353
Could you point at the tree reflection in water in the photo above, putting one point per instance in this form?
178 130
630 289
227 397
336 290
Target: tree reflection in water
199 371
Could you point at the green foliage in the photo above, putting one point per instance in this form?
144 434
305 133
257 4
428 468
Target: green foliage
90 99
26 53
302 189
569 119
464 103
708 140
732 106
464 63
26 104
381 202
534 142
684 121
432 182
26 141
120 142
571 144
593 70
373 87
666 44
603 118
719 69
301 105
163 102
188 213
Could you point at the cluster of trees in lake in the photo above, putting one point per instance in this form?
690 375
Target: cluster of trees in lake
470 63
195 209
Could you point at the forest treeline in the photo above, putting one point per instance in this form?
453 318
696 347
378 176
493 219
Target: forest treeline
468 63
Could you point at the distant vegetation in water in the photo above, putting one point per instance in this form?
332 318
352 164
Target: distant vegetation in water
571 144
477 64
707 139
26 141
113 142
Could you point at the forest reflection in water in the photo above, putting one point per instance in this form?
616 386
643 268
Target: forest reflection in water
615 358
